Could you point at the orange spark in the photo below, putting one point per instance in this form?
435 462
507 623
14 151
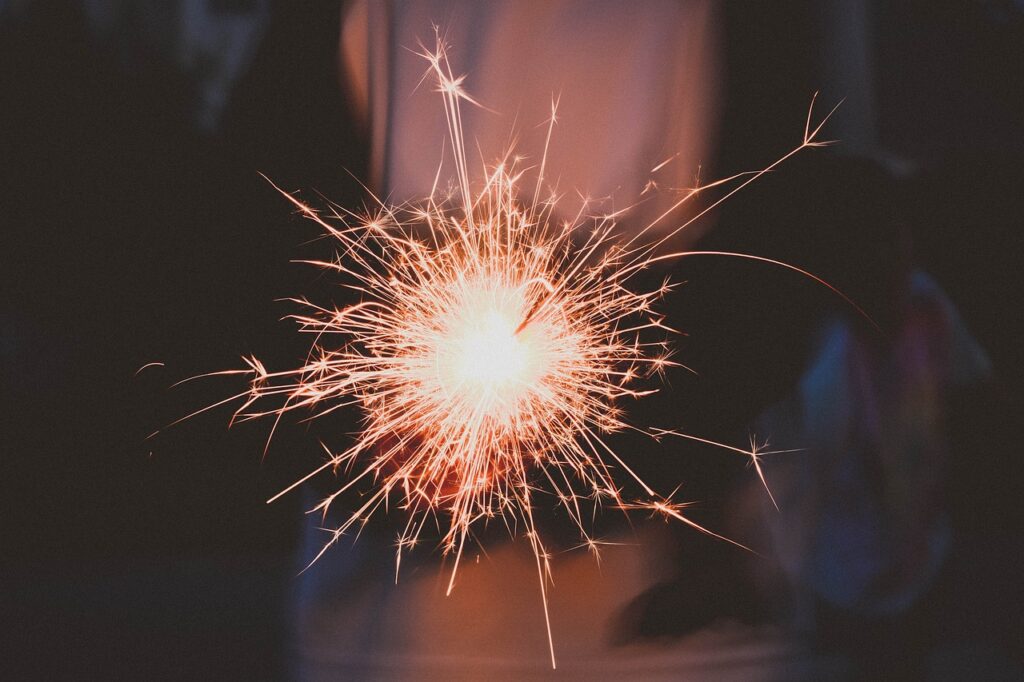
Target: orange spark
490 352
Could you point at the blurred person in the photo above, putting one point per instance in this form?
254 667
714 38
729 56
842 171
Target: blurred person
634 88
865 532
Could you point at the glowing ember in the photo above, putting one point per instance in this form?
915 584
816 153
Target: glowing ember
489 352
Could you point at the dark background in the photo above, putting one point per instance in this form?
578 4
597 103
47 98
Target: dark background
131 231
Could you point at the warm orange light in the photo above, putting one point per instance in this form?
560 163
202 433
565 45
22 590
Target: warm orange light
490 352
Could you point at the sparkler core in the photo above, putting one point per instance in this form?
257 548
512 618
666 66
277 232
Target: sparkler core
482 363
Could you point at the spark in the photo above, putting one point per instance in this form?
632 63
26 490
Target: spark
147 366
490 352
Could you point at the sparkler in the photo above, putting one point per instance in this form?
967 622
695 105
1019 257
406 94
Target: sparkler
489 353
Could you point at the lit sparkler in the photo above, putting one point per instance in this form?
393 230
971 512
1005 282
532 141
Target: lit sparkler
490 352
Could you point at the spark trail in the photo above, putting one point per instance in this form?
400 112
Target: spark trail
489 353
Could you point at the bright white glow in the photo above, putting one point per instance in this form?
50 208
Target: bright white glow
481 361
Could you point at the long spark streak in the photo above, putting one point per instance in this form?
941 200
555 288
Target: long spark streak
489 352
